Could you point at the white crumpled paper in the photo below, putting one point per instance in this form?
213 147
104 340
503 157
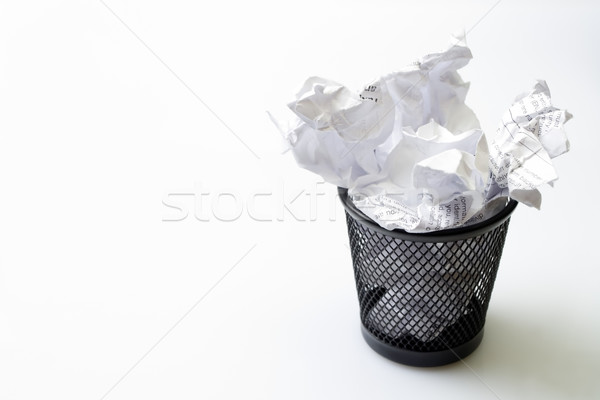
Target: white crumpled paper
412 153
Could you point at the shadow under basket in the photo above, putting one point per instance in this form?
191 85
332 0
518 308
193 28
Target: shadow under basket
423 297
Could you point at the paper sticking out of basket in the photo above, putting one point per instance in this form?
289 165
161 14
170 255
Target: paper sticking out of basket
412 153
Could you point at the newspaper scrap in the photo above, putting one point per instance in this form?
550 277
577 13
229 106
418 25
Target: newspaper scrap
530 135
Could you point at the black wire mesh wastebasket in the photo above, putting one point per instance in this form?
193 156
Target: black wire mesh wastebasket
423 297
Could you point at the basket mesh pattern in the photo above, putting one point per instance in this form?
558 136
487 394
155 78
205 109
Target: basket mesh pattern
423 296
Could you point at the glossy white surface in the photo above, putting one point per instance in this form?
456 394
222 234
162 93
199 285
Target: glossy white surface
103 118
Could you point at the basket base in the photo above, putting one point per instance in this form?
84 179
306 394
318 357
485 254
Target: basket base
418 358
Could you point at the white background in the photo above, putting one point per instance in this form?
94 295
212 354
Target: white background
105 121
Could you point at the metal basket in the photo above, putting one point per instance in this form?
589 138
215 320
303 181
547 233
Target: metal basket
423 297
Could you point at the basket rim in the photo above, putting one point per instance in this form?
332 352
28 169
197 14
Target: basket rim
445 235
